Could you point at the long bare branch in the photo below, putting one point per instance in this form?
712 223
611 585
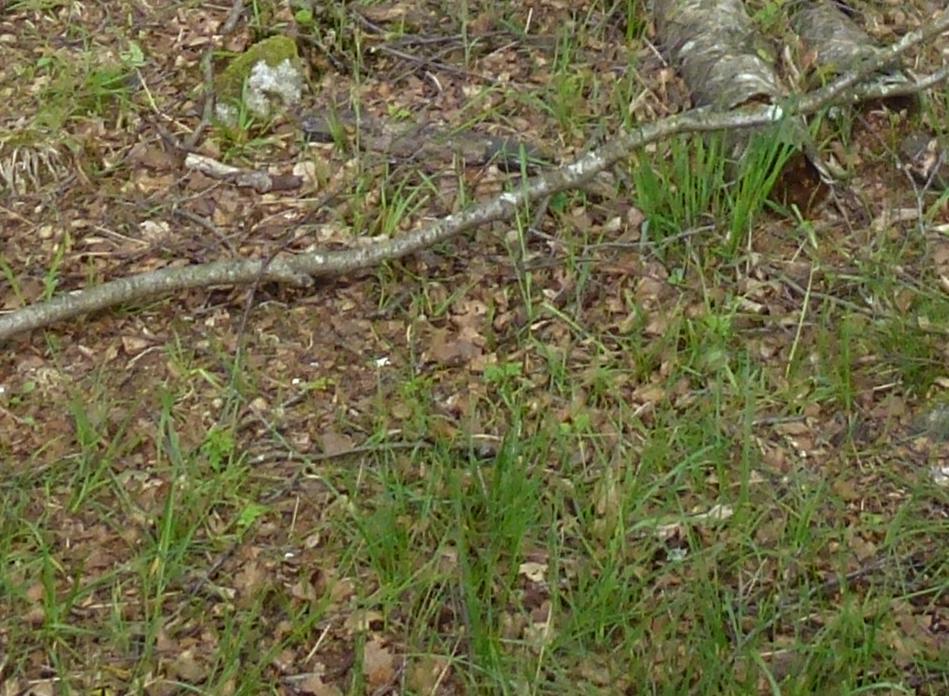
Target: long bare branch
299 269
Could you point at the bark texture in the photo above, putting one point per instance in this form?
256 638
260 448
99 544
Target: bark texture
715 47
837 45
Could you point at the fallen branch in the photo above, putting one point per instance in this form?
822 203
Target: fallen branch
257 179
299 270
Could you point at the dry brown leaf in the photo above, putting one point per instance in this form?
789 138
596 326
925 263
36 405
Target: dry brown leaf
533 571
649 394
45 687
361 620
426 673
314 685
251 577
608 505
444 348
153 157
378 664
188 667
386 12
335 443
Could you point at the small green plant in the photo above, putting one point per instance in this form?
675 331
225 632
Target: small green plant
683 187
399 113
695 182
502 373
87 86
218 447
51 279
397 205
241 133
304 17
761 164
636 23
770 15
568 86
38 5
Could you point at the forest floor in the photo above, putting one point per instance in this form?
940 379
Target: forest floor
643 438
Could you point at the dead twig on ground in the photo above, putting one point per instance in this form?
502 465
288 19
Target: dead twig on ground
257 179
207 73
300 269
209 226
207 107
233 17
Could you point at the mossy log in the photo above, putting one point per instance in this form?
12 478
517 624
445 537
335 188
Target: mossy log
716 48
835 45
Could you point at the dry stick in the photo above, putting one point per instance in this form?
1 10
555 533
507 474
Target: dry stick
207 107
208 225
207 73
300 269
233 17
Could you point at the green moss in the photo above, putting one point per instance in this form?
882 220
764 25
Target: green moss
273 51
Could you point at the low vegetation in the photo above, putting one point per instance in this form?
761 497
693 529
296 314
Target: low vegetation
663 435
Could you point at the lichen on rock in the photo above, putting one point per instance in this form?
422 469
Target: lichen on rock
268 70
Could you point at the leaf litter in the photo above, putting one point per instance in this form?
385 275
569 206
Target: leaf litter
579 315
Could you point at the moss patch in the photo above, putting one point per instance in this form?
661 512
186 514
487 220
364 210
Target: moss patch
273 51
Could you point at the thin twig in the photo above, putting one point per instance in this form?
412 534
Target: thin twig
208 225
207 108
207 73
434 63
233 17
915 559
807 293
